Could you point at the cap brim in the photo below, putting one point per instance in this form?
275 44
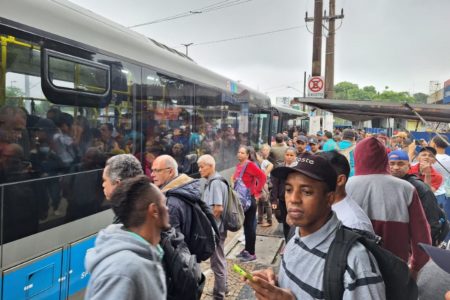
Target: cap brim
440 256
283 172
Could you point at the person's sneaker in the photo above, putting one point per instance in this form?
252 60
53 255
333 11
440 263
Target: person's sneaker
242 254
266 224
246 257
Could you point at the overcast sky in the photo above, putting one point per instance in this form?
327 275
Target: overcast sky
402 44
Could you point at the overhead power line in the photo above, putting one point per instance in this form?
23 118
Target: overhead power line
206 9
247 36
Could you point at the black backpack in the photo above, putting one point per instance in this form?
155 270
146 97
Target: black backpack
398 282
183 274
204 233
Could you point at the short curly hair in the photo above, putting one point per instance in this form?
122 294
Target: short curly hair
123 166
130 200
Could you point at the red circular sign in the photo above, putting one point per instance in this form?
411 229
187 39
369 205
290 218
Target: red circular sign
315 84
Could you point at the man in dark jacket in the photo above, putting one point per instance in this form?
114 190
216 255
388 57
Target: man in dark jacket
399 166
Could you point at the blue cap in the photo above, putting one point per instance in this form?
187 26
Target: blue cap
398 155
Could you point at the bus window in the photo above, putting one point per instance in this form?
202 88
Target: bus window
259 129
71 80
168 120
208 110
49 153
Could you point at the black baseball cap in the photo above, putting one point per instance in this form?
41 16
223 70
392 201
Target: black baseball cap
313 166
303 139
429 149
440 256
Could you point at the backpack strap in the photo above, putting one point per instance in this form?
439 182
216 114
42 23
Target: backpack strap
336 262
291 234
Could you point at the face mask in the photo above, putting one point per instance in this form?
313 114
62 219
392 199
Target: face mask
44 149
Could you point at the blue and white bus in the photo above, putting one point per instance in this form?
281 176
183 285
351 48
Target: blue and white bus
75 89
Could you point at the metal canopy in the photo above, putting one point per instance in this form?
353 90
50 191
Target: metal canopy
366 110
291 111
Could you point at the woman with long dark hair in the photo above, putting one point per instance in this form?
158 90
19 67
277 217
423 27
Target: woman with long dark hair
253 179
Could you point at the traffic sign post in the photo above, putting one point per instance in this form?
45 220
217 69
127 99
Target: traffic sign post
316 87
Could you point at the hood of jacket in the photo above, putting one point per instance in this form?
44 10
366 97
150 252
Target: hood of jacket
113 240
183 186
371 157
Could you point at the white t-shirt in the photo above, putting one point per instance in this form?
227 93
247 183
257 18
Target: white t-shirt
352 215
444 159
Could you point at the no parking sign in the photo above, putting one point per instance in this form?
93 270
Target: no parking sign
316 87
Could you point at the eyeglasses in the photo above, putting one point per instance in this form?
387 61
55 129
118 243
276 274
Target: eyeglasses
159 170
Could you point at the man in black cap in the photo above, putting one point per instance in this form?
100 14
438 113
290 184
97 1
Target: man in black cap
310 191
314 144
301 142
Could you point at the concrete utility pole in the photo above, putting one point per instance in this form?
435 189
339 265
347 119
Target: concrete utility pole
329 51
317 43
317 37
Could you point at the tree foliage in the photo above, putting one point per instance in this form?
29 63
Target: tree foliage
351 91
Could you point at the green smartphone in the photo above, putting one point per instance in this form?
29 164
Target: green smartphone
242 272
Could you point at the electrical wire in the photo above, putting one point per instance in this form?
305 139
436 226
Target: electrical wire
206 9
247 36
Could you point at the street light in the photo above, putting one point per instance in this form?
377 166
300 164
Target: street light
187 46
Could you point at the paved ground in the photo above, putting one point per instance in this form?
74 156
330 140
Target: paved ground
269 241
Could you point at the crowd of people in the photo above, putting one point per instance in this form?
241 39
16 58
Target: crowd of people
313 185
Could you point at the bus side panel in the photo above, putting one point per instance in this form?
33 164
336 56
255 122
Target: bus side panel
78 276
36 279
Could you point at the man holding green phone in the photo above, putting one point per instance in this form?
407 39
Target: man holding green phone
310 188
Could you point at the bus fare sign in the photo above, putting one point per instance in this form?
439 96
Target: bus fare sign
316 87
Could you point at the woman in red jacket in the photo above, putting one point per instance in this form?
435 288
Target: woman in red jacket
254 179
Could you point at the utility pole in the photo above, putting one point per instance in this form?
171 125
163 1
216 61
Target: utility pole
317 37
187 46
317 43
329 51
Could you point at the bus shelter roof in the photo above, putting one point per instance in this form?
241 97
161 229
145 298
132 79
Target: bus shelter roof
363 110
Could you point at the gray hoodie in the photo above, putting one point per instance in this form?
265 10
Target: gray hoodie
124 266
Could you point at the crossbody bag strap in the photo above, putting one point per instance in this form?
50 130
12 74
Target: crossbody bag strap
243 171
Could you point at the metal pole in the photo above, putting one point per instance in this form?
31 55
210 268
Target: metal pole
424 121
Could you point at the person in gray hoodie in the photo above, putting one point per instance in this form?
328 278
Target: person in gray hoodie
126 260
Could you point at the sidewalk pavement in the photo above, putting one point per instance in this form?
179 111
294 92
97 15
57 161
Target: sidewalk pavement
269 242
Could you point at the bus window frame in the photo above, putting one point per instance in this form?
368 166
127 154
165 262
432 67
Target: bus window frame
69 96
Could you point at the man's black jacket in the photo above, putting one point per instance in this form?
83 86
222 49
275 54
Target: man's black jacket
434 214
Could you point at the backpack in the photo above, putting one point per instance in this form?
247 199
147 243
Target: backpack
204 233
184 277
233 211
242 191
395 272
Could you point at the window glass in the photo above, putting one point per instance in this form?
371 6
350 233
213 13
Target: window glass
235 128
259 129
168 121
52 156
74 75
209 125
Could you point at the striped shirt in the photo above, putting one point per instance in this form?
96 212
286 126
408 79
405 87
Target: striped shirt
303 265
